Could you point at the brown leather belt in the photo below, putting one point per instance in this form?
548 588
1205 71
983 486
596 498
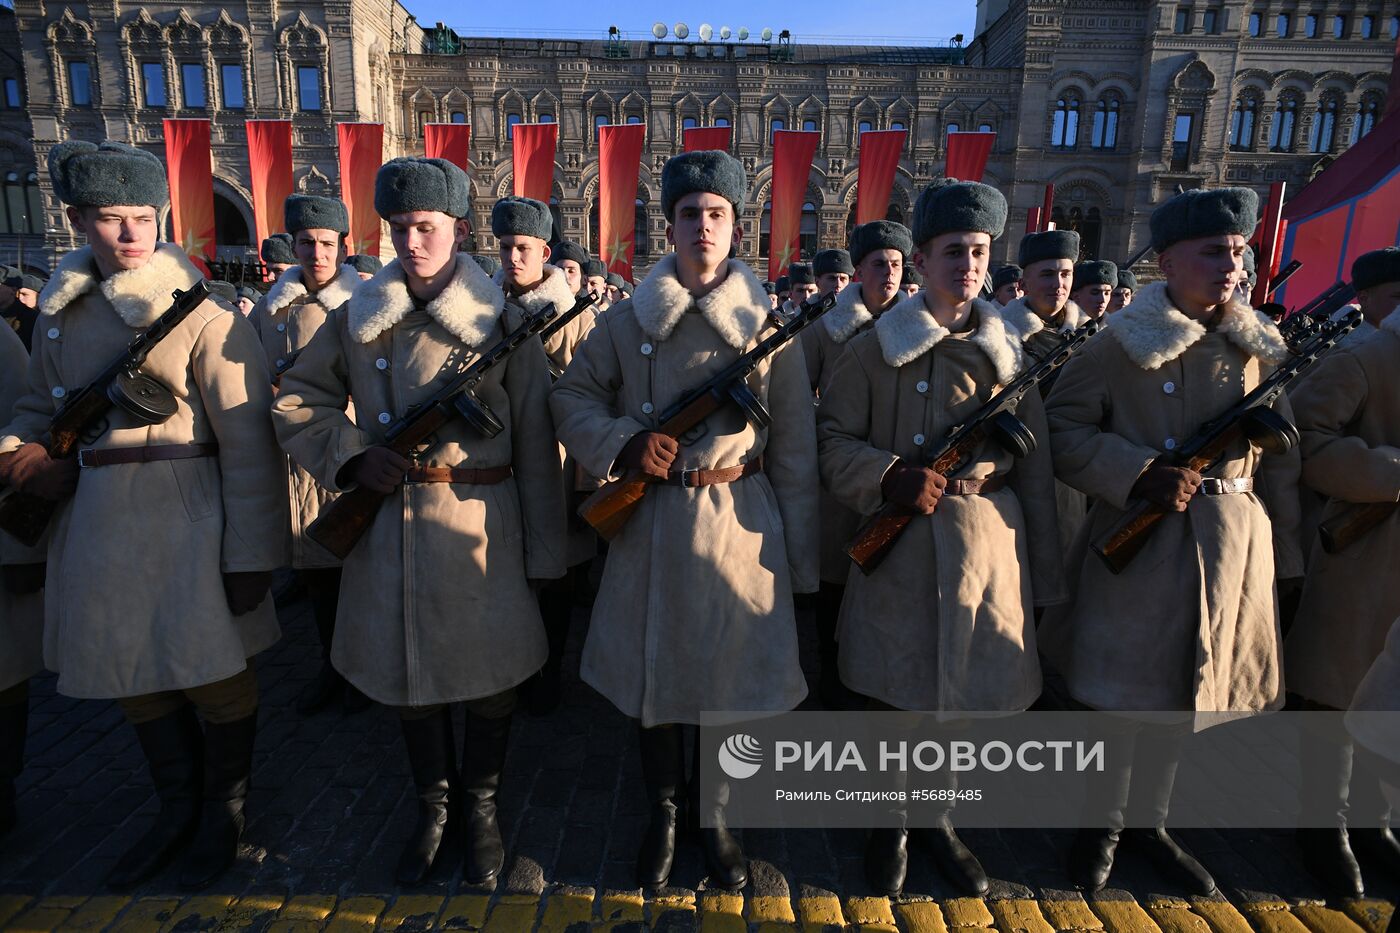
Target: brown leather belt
974 487
1210 486
486 476
693 478
111 456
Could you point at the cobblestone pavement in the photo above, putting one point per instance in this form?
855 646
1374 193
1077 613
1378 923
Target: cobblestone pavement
331 807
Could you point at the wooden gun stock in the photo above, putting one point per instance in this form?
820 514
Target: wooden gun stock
609 508
1342 531
1125 539
877 536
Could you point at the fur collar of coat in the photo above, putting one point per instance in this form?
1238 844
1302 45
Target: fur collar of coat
1152 331
468 307
1027 323
140 296
737 308
908 331
554 287
289 287
1392 322
849 316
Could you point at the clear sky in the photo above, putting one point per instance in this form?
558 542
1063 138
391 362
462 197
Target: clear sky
827 21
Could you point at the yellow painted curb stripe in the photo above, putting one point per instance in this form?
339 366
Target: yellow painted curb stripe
356 915
307 907
1320 919
1019 915
1176 917
1272 917
1070 913
819 911
865 911
770 909
203 912
146 914
1371 914
421 909
1123 916
512 913
921 917
563 908
464 912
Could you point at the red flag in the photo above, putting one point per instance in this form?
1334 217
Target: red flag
792 166
704 138
879 157
188 160
619 159
450 141
361 154
270 166
1047 210
533 153
1270 243
967 155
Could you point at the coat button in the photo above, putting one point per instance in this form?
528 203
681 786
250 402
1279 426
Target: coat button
1169 387
381 364
281 328
53 333
646 349
648 408
59 392
918 440
385 417
281 362
1169 443
922 387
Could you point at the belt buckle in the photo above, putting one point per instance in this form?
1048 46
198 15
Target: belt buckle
82 456
1212 486
687 484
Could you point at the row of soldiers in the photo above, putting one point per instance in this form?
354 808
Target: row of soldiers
153 586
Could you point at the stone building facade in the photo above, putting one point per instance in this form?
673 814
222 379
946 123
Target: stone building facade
1113 103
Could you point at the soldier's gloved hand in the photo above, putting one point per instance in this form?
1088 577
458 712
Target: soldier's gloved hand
31 470
1169 487
245 590
650 452
913 487
378 469
22 579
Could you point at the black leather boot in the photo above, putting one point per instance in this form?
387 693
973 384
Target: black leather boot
663 770
833 693
1105 808
887 859
174 749
323 588
1155 759
483 760
1327 853
228 770
14 725
954 859
542 691
1374 842
430 760
724 858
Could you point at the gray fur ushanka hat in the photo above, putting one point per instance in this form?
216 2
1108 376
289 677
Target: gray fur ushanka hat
712 170
313 212
1203 212
106 174
411 183
513 216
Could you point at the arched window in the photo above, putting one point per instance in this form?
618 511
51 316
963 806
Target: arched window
807 231
1105 135
765 224
1285 24
459 116
1324 128
511 120
1395 27
985 128
599 120
546 118
896 124
1368 27
1064 130
641 239
633 118
1242 122
721 121
809 125
1339 26
1310 26
1365 119
863 126
1285 127
689 123
1256 25
954 128
1088 224
22 210
774 125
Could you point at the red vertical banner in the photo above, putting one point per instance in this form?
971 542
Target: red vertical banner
967 155
188 160
532 151
1033 220
270 168
879 157
1047 210
450 141
361 154
619 160
792 167
705 138
1266 259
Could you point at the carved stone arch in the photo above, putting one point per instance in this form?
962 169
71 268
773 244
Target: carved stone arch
302 33
69 29
225 32
1112 88
1194 76
1066 81
184 32
313 181
633 101
722 106
1295 79
1127 83
1338 81
1256 76
501 182
512 101
599 102
141 29
458 99
1093 185
544 102
242 202
1373 80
